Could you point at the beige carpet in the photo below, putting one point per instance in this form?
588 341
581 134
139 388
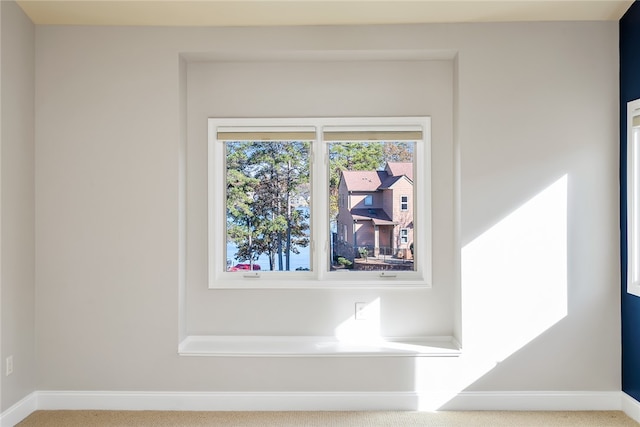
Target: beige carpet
326 419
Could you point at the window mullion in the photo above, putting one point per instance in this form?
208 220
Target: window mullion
319 200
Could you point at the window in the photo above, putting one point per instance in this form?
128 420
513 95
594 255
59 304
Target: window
633 197
404 203
278 210
267 215
404 236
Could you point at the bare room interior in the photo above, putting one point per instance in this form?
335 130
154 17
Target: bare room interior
497 271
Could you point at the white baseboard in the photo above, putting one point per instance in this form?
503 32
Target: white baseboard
535 401
319 401
19 411
631 407
323 401
222 401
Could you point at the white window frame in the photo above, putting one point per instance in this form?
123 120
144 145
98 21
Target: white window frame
319 277
633 198
406 204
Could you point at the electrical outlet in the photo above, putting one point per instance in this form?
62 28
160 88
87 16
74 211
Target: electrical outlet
361 311
9 365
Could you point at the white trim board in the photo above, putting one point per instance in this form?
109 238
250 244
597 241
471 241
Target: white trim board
19 411
319 401
631 407
298 346
535 401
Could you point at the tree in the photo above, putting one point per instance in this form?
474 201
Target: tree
240 191
261 217
399 151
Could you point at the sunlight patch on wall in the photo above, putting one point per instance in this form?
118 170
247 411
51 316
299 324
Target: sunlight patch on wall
514 288
366 327
514 276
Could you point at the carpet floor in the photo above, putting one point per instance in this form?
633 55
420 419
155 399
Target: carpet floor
327 419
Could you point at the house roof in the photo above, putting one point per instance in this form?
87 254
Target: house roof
377 180
363 180
378 216
400 168
391 180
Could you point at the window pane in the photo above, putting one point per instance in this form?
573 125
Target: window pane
371 220
267 205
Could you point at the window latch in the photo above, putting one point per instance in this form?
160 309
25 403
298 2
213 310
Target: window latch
251 275
387 275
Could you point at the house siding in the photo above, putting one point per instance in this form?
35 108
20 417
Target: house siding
404 218
379 237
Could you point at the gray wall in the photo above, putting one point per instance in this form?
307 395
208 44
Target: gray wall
320 88
533 128
17 285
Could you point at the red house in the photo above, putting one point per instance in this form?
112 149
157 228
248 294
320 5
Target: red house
375 210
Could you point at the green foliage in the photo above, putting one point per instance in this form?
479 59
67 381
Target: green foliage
344 262
263 179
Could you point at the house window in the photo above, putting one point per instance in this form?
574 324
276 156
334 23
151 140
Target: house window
274 222
404 203
404 236
633 197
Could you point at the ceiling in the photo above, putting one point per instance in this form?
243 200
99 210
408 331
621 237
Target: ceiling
314 12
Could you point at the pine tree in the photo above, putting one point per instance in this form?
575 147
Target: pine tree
261 216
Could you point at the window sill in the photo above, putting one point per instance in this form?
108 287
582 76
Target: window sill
317 346
338 280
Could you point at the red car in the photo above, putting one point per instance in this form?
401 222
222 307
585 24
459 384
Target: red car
244 267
